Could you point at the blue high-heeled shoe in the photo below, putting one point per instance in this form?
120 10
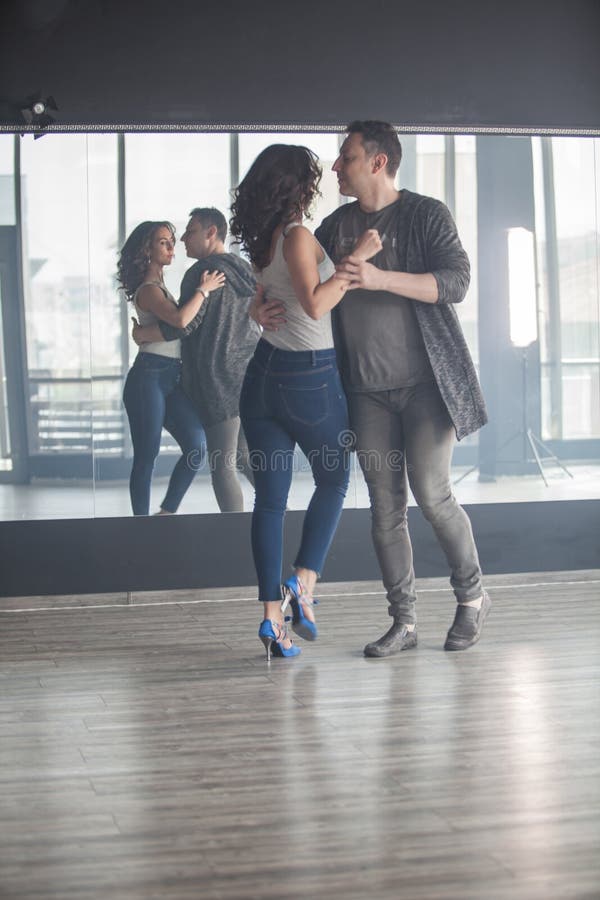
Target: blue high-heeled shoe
295 595
272 634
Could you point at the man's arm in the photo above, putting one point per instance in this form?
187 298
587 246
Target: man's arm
145 334
365 275
270 314
449 272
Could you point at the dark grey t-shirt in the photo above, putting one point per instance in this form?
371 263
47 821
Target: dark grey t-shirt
382 344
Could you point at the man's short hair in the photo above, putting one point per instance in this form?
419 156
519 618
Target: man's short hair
379 137
209 215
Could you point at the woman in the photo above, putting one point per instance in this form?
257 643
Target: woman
153 395
292 393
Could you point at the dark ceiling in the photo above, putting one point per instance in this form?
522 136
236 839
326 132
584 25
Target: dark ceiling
457 65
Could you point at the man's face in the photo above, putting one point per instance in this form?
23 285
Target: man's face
353 167
196 240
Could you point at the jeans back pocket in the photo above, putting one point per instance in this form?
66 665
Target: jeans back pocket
307 405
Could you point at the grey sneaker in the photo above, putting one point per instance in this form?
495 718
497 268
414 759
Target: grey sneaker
468 624
393 641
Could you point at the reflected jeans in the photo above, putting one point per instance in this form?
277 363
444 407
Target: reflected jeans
288 398
154 399
408 433
227 456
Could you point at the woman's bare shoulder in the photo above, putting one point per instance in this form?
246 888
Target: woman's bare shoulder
300 239
150 292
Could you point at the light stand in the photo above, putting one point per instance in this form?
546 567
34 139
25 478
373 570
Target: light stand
530 439
523 333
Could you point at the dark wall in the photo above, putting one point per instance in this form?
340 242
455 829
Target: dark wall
461 64
79 556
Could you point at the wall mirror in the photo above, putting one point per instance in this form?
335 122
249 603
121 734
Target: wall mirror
528 212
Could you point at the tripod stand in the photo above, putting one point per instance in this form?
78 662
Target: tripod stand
531 441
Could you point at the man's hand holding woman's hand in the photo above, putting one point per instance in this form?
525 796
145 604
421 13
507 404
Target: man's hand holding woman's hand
356 270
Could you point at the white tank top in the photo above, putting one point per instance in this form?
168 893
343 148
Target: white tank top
300 332
171 349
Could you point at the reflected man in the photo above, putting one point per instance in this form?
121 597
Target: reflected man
218 344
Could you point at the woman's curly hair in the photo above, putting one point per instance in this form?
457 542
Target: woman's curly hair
135 255
279 187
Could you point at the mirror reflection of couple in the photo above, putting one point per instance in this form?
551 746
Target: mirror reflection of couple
409 386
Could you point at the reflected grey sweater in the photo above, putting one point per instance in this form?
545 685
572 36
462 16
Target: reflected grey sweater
219 341
434 246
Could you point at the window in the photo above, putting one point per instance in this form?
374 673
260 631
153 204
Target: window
326 146
56 281
82 194
567 205
7 188
166 175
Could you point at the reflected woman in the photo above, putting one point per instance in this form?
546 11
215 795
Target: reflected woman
292 393
153 396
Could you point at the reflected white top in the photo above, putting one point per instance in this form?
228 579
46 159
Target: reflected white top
171 349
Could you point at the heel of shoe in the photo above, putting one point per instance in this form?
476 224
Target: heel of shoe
267 644
266 634
273 640
294 595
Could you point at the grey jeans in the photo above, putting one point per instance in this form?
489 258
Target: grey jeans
228 455
408 432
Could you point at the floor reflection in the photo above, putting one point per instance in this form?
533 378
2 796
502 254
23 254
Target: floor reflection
74 500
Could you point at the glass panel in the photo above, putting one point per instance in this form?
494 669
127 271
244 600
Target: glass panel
7 217
439 159
167 175
78 326
326 146
430 166
577 244
7 184
109 321
567 198
56 288
5 457
466 221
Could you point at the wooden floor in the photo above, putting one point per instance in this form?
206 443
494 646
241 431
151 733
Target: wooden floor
148 753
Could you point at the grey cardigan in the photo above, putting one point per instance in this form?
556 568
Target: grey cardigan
434 246
220 339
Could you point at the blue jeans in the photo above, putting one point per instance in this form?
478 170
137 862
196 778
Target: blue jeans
154 399
289 398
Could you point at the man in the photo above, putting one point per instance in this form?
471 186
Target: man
219 343
410 381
